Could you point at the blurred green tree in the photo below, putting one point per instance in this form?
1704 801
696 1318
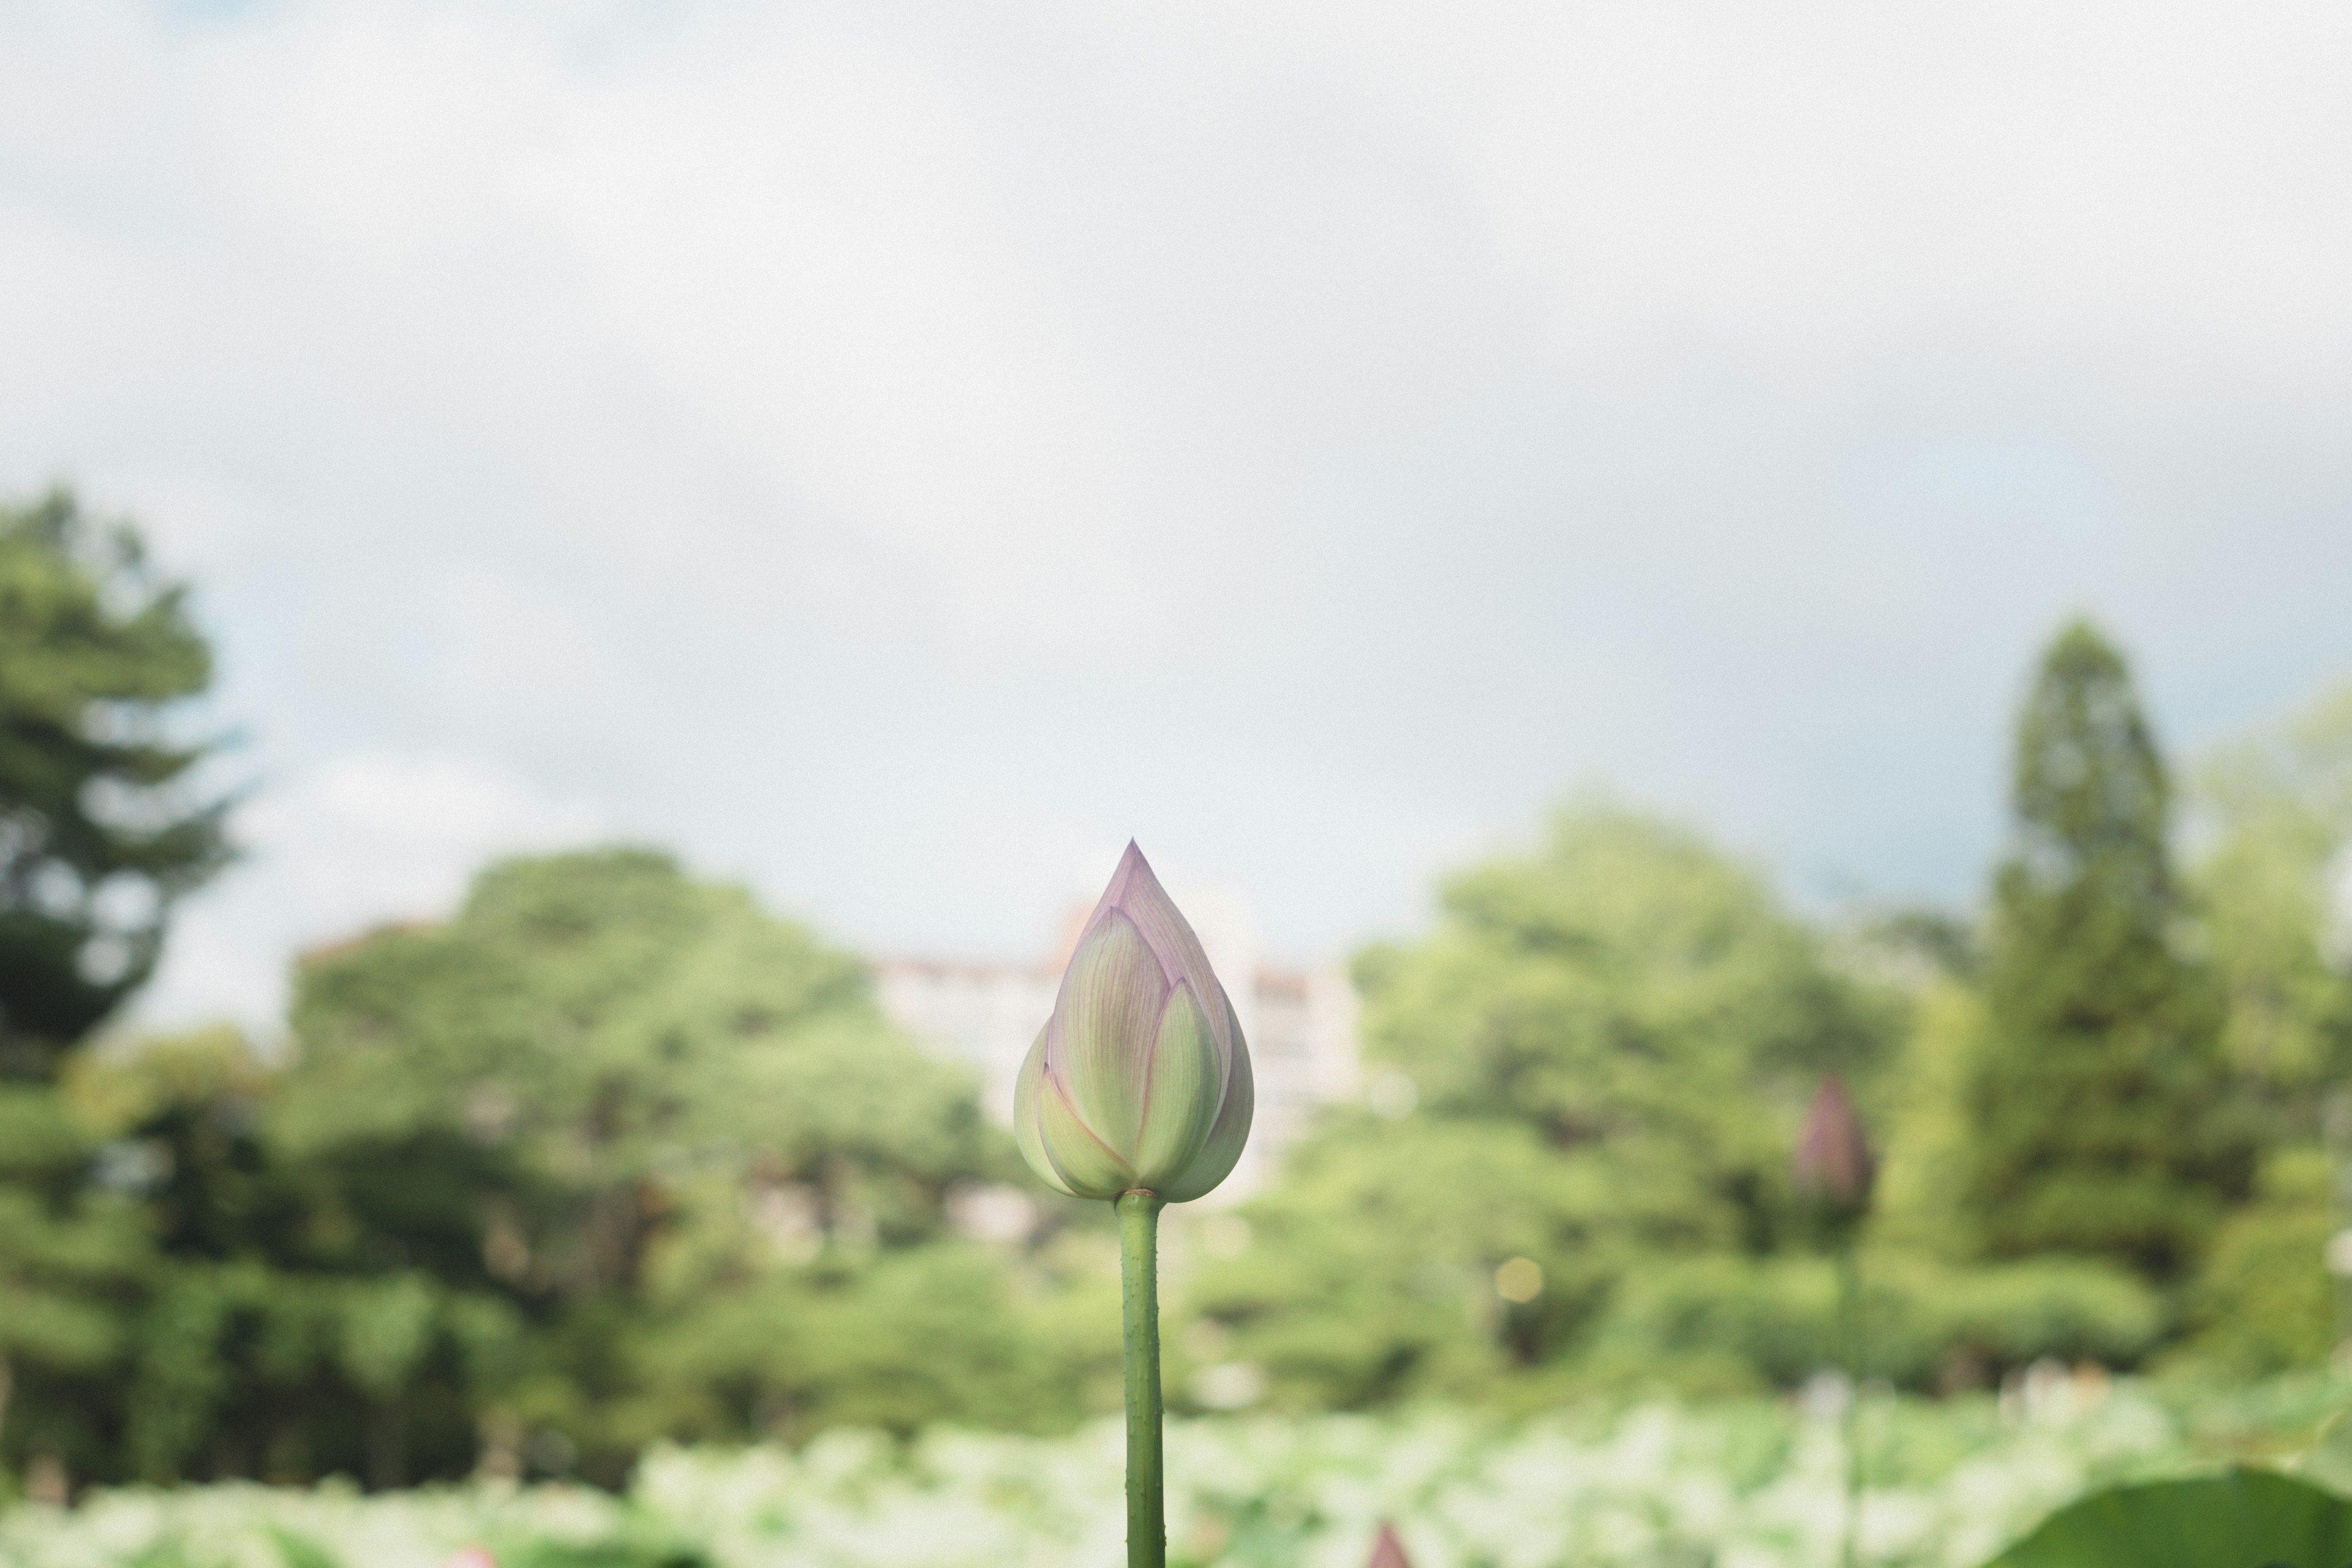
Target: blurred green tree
2100 1117
99 833
73 1261
273 1334
1609 1044
2264 1300
2276 892
610 1156
632 1105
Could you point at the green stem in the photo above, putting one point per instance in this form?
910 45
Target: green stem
1850 1334
1138 1304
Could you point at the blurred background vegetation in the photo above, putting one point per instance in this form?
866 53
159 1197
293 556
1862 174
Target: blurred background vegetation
613 1155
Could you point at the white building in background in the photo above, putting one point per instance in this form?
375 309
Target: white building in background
1300 1024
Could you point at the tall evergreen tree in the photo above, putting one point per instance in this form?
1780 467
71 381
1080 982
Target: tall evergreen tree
97 834
2098 1115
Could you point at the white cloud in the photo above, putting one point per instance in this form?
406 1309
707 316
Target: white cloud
354 842
879 450
509 643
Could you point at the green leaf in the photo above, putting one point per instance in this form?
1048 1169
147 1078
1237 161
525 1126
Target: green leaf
2247 1519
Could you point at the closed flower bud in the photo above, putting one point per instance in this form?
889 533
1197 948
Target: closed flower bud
1834 1167
1139 1082
1387 1552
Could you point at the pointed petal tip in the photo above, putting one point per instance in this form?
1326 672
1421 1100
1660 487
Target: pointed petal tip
1132 867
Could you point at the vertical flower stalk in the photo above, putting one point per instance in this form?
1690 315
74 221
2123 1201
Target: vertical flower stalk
1834 1170
1849 1277
1137 1092
1139 1312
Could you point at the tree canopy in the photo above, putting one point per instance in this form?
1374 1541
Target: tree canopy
643 1098
2276 891
1609 1042
609 1156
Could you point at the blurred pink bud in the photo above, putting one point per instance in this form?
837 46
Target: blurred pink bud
1387 1552
472 1557
1834 1167
1140 1080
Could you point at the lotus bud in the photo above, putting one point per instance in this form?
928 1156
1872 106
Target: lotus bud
1387 1552
1139 1082
1834 1167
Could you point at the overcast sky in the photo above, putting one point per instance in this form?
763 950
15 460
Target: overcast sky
891 452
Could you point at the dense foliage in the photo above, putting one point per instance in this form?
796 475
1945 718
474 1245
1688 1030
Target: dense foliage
610 1156
1608 1046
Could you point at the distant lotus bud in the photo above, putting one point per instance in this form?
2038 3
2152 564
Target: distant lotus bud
1139 1082
1387 1552
1834 1166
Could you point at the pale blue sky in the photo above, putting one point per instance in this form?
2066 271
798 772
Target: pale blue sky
893 452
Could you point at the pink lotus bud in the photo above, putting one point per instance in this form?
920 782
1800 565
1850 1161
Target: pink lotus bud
1834 1167
472 1557
1140 1080
1387 1552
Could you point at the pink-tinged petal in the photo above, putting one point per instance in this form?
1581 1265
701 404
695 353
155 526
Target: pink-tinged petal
1222 1147
1135 891
1105 1022
1028 1091
1180 1097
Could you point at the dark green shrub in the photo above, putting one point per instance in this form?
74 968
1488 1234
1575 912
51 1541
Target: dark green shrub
1714 1322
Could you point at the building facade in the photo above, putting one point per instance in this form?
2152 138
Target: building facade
1300 1024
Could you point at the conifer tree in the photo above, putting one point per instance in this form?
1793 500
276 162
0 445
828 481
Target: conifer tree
2099 1117
97 834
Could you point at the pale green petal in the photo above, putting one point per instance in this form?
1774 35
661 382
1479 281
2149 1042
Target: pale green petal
1180 1097
1088 1168
1028 1090
1105 1021
1223 1147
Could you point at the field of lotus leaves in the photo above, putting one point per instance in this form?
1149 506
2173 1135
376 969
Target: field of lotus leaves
1736 1484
